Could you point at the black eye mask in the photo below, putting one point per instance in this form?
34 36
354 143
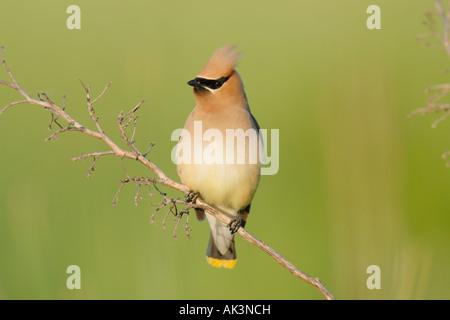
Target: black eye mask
208 83
212 84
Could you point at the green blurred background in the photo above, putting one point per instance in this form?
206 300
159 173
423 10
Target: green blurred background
359 183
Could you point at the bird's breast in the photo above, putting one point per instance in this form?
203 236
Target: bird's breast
219 156
228 186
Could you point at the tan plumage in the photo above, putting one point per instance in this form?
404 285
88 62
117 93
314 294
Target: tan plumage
229 187
221 63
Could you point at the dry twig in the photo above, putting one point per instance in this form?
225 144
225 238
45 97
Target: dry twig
124 120
434 104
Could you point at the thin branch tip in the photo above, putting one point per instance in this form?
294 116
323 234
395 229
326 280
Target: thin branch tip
441 32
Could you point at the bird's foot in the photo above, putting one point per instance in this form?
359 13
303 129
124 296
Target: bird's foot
235 224
191 196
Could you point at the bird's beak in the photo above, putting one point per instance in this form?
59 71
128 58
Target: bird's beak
194 83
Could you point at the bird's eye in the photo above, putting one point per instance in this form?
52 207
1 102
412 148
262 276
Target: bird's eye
218 84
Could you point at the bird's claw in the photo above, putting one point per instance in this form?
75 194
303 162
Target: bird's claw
235 224
191 197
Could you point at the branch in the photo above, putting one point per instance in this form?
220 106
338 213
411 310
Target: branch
124 120
433 104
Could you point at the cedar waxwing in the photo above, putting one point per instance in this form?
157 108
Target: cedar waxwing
226 182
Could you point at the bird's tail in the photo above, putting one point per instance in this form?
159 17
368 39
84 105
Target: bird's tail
216 259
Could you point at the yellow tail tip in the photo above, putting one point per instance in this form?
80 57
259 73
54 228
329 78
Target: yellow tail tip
218 263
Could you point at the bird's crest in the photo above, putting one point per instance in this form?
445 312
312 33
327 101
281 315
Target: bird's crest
221 63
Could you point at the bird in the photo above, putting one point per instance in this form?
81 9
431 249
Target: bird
228 182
